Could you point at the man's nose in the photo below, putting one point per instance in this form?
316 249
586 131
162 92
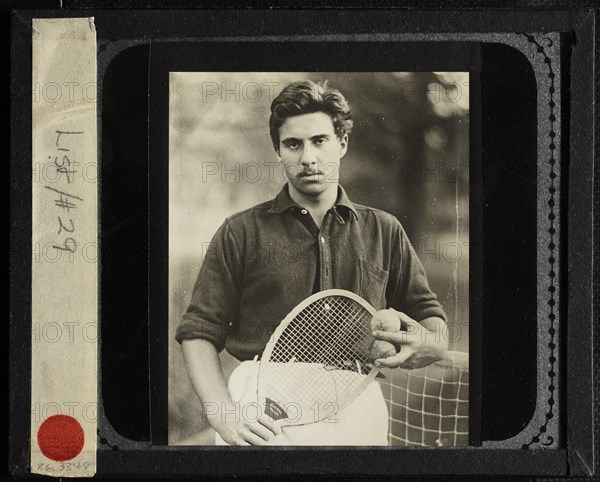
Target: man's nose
308 156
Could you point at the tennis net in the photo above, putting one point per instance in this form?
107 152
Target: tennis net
429 406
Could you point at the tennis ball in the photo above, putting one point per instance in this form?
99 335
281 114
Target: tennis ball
384 320
381 349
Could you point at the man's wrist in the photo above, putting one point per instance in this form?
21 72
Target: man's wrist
436 338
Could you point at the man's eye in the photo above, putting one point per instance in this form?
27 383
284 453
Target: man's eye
320 141
293 146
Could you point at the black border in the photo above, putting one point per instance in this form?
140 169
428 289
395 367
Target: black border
509 320
476 209
333 56
577 458
581 319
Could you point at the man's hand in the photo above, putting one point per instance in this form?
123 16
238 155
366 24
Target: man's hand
246 432
206 376
420 345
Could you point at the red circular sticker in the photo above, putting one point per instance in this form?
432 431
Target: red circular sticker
60 438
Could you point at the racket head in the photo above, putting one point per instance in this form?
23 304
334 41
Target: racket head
316 362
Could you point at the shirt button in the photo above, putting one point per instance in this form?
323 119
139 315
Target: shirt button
322 240
304 211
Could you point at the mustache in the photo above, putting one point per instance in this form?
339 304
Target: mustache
310 172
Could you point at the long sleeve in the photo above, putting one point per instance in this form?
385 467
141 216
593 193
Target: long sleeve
411 292
213 310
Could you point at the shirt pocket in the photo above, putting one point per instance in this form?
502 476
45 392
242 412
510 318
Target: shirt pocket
373 281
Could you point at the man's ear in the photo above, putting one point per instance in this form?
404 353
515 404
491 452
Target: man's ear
343 145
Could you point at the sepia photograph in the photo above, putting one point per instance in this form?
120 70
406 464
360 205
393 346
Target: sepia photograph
318 259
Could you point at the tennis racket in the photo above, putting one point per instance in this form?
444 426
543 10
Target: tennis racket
317 361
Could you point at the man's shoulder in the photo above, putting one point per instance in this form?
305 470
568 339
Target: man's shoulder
378 215
249 214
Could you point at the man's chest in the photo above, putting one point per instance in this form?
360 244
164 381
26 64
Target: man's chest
293 258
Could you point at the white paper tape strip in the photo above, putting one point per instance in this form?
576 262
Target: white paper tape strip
64 238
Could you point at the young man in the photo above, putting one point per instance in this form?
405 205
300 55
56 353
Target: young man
311 237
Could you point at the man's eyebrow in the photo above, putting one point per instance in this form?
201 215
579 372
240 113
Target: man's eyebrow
313 138
319 136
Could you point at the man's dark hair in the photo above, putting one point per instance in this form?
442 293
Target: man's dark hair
307 97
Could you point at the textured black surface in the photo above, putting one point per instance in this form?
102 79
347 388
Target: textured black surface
582 237
373 4
19 352
596 251
176 461
124 244
509 252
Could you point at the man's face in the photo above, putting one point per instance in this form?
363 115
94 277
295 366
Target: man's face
311 152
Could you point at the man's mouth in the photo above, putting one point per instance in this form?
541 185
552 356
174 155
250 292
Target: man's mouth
310 174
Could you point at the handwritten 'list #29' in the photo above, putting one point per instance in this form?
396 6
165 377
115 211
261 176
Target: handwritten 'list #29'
65 202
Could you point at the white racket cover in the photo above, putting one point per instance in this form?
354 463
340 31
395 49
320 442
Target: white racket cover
317 361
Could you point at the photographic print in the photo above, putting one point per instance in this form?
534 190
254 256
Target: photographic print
319 258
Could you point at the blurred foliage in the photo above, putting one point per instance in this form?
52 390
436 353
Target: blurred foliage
408 155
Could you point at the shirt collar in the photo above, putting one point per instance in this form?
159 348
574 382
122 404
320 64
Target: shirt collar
283 202
344 201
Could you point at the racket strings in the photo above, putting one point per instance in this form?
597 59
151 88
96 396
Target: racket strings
321 356
339 336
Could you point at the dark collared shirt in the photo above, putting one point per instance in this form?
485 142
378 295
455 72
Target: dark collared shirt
263 261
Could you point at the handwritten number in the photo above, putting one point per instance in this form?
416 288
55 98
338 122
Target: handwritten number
61 226
64 466
69 245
